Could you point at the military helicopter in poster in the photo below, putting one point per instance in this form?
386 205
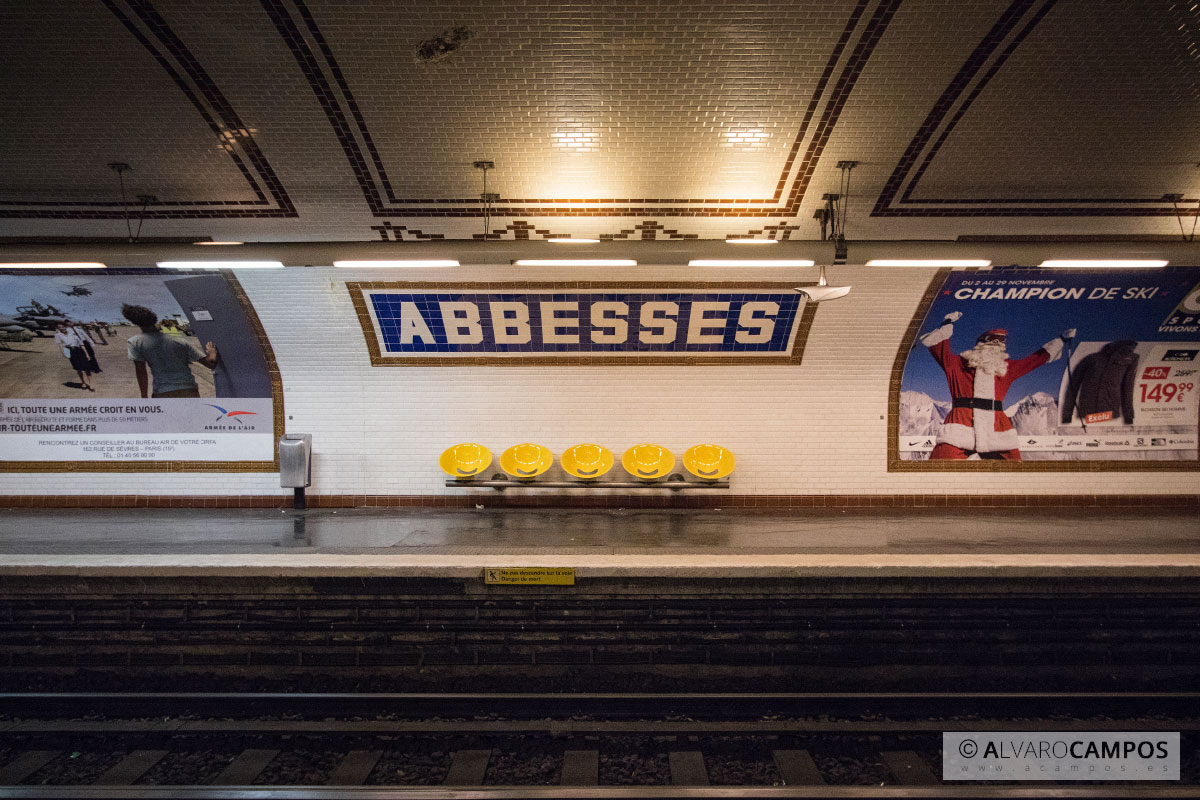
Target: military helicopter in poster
78 291
9 325
40 317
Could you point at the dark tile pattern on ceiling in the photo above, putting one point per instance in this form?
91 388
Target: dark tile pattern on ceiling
1009 31
313 54
153 33
523 230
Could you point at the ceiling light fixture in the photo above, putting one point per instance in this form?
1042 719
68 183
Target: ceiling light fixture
752 262
215 244
408 263
751 241
1105 264
55 265
569 240
220 264
929 262
574 262
822 291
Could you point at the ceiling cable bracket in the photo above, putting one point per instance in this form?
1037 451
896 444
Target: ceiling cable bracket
837 211
1175 199
145 200
486 198
120 167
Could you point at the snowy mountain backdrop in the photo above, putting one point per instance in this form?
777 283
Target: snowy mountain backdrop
1032 415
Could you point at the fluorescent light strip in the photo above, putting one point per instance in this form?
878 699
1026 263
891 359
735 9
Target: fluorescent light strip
409 263
220 264
217 244
751 241
759 262
1102 264
928 262
56 265
569 240
575 262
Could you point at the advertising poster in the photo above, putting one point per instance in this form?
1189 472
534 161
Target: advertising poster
1021 364
82 383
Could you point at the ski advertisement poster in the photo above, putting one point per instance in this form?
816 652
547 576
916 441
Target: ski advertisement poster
107 368
1027 364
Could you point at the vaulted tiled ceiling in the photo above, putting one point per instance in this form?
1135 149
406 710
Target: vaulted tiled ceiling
349 119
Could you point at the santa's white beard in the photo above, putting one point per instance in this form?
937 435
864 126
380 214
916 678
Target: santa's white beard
988 357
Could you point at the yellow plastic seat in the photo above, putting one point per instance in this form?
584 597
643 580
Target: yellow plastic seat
648 461
709 461
526 460
587 461
465 460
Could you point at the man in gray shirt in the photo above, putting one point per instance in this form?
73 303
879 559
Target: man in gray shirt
169 358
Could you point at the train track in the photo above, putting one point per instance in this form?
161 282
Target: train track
678 745
599 793
541 705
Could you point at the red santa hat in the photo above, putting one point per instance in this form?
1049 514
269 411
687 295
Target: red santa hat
992 335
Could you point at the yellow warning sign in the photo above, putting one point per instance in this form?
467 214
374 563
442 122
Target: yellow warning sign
545 576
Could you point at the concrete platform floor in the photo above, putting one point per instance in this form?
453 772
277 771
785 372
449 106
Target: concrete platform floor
697 543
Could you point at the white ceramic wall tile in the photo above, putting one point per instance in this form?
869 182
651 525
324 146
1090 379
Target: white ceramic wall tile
819 428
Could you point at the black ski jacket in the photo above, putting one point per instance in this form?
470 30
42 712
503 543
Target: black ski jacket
1103 382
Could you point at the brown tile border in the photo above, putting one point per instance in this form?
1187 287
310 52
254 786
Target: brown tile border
808 314
892 446
1012 27
314 56
493 499
647 230
152 32
264 342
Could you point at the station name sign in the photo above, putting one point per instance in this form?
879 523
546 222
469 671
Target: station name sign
425 324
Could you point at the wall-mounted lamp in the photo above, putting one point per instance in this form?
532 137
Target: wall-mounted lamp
220 264
928 262
574 262
55 265
822 291
400 264
1105 264
569 240
760 262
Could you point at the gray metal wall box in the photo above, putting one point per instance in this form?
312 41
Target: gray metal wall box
295 460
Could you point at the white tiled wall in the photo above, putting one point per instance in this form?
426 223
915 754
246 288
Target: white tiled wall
819 428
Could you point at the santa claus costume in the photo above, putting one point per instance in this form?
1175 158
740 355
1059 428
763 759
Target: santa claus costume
979 379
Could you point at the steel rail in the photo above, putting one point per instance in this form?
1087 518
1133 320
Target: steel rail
540 705
1139 792
562 728
647 705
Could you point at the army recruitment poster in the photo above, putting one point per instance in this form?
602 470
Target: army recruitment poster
112 367
1021 364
